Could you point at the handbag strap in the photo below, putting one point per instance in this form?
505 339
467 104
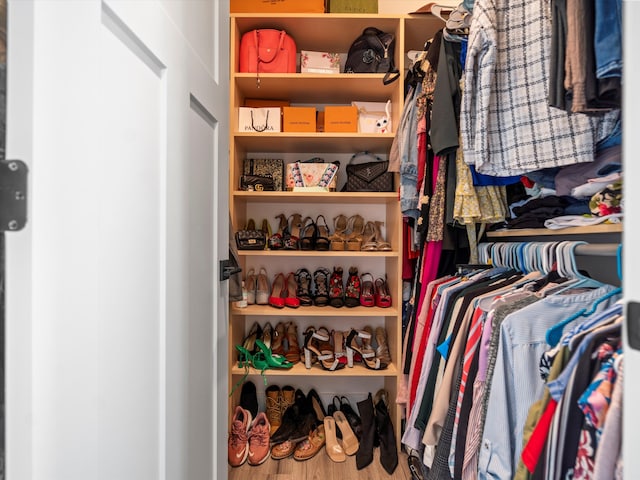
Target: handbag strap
364 154
275 54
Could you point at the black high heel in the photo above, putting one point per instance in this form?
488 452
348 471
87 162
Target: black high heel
316 342
368 354
321 292
322 234
276 241
308 235
303 279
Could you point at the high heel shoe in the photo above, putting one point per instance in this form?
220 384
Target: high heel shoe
382 294
291 299
303 279
262 288
266 228
356 228
334 449
336 288
350 442
276 241
277 339
365 350
369 243
293 347
278 292
321 292
250 283
267 334
322 234
337 240
317 343
308 235
381 244
272 360
382 350
367 298
338 347
352 292
291 241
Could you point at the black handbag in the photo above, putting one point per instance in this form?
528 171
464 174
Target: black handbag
372 52
251 239
258 183
266 167
369 176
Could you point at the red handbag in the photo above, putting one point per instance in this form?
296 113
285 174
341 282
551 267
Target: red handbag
267 51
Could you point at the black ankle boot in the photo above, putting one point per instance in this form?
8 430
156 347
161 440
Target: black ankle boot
386 435
291 419
364 455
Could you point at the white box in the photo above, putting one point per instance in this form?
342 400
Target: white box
370 113
319 62
263 119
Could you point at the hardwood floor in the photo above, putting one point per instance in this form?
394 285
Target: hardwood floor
320 467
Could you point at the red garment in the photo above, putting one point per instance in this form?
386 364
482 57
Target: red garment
533 449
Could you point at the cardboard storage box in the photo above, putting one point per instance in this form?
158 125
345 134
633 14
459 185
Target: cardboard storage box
370 115
340 119
277 6
299 119
353 6
319 62
265 119
265 102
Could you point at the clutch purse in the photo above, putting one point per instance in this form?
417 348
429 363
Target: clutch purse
266 167
369 176
251 239
257 183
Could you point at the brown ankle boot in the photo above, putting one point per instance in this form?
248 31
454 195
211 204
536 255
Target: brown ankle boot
274 406
293 353
287 398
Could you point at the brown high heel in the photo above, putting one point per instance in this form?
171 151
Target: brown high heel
382 350
277 340
291 299
381 244
356 228
293 352
337 240
369 243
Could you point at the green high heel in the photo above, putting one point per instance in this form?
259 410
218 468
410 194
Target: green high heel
272 360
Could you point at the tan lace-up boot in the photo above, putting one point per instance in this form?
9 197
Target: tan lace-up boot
274 406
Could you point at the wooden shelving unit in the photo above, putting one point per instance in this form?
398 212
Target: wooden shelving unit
543 232
333 33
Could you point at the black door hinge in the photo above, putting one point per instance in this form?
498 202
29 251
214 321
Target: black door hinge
13 195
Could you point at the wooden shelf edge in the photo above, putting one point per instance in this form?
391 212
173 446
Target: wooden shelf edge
313 196
535 232
315 253
314 135
312 311
316 370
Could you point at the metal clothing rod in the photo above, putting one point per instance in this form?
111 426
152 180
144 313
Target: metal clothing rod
598 249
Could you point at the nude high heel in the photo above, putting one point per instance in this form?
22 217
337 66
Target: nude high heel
337 240
354 238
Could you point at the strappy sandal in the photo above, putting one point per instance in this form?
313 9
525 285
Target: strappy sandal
303 280
316 343
272 360
382 294
292 239
293 347
308 235
322 234
367 298
321 282
381 244
352 292
365 350
337 240
276 241
382 350
369 243
336 288
266 228
356 228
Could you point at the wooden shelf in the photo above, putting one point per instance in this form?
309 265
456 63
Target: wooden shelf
316 253
305 88
312 311
316 370
537 232
357 198
325 142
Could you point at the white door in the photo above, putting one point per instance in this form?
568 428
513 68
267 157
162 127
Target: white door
116 319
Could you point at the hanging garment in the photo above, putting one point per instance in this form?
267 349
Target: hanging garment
507 126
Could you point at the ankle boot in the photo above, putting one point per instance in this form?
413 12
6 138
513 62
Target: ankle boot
385 433
364 455
288 397
274 407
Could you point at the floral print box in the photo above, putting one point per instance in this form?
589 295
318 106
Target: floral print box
319 62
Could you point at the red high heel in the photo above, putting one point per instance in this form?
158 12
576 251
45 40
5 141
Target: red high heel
291 299
382 295
278 292
367 298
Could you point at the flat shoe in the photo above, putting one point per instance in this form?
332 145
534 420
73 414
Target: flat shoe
311 445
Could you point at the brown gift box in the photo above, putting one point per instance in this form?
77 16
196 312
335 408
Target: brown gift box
341 119
299 119
277 6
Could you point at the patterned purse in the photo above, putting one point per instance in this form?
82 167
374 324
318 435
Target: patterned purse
266 167
369 176
251 239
